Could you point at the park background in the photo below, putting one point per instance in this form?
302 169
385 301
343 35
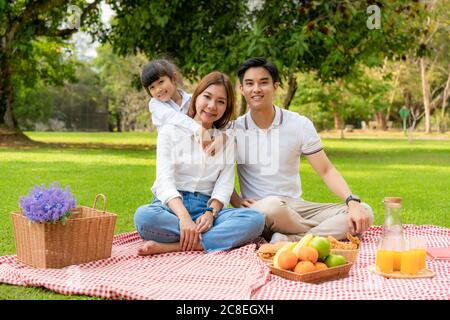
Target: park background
72 108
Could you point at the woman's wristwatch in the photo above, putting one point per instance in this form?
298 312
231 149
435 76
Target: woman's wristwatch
213 211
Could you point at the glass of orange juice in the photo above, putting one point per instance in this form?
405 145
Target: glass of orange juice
388 258
385 260
410 261
418 246
397 260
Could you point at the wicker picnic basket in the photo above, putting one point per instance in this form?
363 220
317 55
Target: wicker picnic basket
87 236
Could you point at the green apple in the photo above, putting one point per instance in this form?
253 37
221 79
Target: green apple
322 245
334 260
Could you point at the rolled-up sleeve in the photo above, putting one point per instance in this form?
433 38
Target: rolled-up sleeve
165 188
225 182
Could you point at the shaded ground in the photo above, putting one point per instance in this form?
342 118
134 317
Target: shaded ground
18 140
10 138
380 134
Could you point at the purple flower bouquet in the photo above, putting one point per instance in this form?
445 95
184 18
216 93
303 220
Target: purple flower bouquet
48 204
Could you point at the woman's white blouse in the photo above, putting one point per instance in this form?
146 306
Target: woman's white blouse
181 164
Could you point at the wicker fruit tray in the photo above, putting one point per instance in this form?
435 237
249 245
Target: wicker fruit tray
315 276
349 255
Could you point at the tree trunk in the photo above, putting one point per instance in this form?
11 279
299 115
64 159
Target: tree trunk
292 88
426 95
118 121
338 122
381 121
391 100
445 96
243 107
7 118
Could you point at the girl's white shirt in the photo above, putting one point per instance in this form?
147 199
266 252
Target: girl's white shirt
171 113
182 164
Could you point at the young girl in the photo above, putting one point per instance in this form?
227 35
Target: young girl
169 105
189 211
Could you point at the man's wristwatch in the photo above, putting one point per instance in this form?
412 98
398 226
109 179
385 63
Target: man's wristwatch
352 197
213 211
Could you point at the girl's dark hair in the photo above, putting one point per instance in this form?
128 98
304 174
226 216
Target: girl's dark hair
217 78
156 69
259 62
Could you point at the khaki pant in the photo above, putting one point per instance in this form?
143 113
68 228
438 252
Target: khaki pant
295 217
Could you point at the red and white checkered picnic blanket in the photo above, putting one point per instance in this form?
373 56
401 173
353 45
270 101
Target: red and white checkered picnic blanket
361 284
236 274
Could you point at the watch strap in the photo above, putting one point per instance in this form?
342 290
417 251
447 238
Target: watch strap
352 198
213 211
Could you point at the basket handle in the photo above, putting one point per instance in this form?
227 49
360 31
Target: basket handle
95 201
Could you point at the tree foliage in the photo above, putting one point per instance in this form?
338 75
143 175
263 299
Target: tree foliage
348 100
327 43
327 37
33 39
75 105
330 37
200 35
121 84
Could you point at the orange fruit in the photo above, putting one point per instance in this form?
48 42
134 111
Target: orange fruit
308 254
287 260
304 267
320 266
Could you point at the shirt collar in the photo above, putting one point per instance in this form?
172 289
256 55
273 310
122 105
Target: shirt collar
276 123
185 98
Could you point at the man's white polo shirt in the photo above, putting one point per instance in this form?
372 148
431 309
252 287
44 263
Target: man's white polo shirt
269 159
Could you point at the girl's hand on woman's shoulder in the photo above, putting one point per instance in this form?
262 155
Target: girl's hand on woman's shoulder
204 137
216 145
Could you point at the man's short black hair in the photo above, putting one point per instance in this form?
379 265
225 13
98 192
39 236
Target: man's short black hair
259 62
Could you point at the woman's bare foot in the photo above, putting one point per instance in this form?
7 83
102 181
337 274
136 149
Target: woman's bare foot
152 247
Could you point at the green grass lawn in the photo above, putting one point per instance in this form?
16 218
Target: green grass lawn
419 172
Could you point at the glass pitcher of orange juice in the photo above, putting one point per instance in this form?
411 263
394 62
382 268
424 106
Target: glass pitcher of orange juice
392 226
389 254
392 242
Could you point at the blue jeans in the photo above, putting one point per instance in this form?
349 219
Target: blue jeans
232 227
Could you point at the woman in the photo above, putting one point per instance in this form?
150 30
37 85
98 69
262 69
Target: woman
192 191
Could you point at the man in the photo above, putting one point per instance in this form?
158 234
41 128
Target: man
270 141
